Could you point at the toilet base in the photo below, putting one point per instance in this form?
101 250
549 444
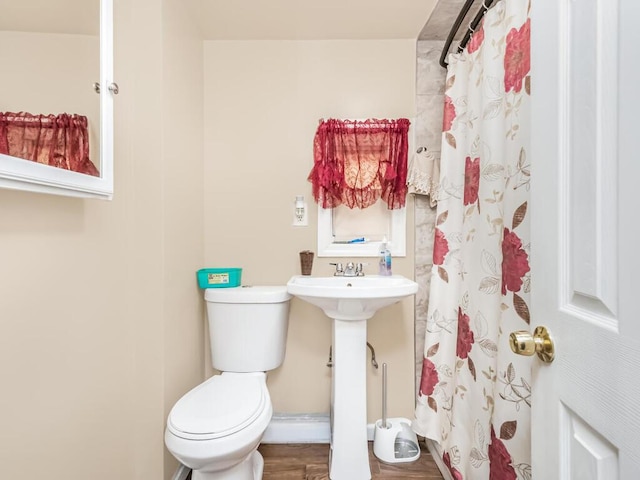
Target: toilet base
250 468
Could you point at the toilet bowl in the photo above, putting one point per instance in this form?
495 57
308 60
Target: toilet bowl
216 427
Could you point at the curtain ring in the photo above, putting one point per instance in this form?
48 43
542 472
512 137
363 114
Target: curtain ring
484 5
471 29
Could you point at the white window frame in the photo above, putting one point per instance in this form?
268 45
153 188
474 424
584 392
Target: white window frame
327 248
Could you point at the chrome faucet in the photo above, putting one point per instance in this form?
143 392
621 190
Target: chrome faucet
351 270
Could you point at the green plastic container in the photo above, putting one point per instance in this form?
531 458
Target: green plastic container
219 277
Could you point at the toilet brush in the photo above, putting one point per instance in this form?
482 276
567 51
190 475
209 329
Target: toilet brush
384 396
394 441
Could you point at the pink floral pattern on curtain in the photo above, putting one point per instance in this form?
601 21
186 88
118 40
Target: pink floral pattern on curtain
356 163
475 394
60 141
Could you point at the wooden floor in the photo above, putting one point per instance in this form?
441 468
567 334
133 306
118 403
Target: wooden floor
310 462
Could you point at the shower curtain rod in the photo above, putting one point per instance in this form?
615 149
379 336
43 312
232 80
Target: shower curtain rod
486 4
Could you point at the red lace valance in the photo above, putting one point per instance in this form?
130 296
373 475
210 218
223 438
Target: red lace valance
57 140
358 162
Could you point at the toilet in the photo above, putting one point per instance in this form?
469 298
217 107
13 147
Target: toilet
216 427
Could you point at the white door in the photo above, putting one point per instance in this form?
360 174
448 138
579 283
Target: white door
586 238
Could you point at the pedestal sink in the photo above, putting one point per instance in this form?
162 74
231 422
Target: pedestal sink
350 302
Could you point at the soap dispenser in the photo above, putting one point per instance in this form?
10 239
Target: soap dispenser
385 259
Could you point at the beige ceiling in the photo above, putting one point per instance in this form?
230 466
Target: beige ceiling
244 19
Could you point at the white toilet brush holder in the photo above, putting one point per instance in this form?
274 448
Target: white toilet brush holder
393 440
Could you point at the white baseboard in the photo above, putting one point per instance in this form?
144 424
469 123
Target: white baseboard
300 428
371 428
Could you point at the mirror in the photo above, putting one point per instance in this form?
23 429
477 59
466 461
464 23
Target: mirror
52 52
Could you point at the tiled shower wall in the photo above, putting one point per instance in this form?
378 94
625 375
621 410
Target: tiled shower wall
428 132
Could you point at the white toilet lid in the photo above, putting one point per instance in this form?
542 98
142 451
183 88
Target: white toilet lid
221 406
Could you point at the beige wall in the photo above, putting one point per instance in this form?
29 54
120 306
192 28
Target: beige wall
263 100
100 320
183 205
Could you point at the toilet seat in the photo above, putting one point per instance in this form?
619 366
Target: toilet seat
221 406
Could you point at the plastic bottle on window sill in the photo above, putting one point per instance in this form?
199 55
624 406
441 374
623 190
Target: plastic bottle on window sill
385 259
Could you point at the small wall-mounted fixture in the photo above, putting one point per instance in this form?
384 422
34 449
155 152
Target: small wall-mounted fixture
300 212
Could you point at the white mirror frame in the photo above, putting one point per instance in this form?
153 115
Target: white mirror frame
30 176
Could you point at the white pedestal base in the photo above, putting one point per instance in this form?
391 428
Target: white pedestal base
349 457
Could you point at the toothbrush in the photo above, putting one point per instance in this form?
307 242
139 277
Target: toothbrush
355 240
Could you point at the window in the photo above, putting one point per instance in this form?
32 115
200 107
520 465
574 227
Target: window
342 224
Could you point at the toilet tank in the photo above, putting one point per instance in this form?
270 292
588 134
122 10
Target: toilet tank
247 327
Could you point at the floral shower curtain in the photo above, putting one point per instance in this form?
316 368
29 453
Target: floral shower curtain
475 394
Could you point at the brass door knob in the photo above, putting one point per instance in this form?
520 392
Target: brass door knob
541 343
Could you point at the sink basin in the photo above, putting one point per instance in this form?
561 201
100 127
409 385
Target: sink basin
351 298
